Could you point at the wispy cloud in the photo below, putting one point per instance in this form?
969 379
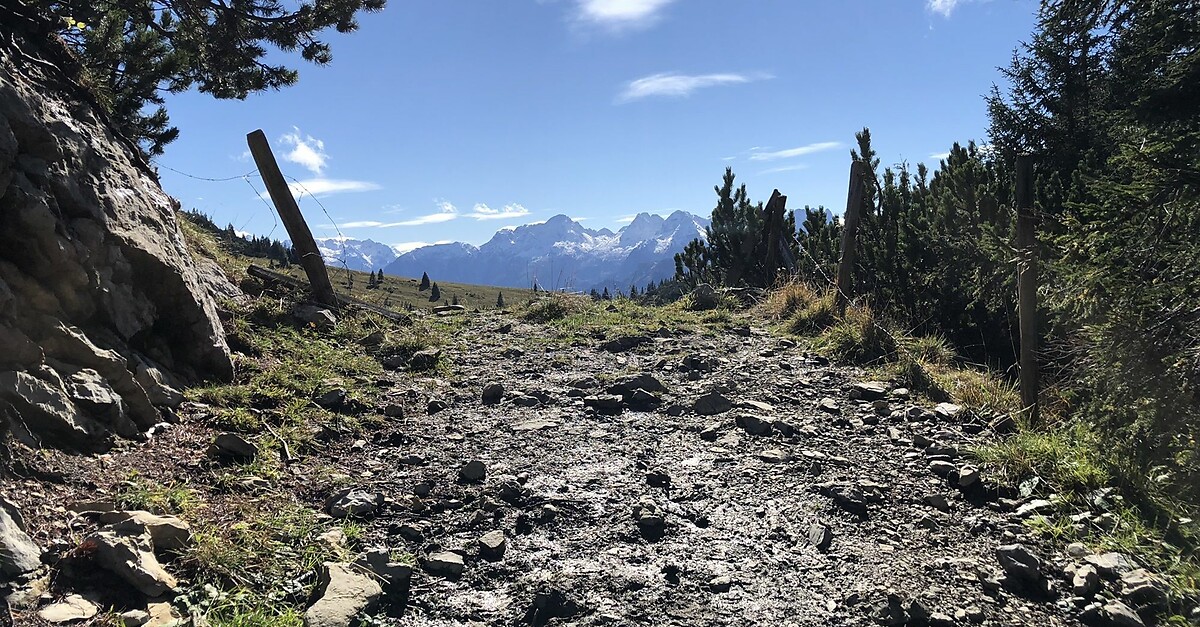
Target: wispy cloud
445 213
682 85
621 14
939 156
625 219
944 7
324 187
484 212
799 151
786 168
305 150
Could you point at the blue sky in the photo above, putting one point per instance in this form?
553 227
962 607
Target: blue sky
448 119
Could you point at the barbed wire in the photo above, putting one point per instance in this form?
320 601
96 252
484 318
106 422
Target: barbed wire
205 178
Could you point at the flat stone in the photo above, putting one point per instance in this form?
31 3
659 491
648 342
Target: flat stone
232 446
942 468
1035 507
131 558
774 456
534 425
1141 588
869 390
1120 615
19 554
343 594
828 405
754 425
353 502
720 584
493 544
711 404
604 403
168 533
445 564
1021 565
72 608
820 536
947 410
1109 564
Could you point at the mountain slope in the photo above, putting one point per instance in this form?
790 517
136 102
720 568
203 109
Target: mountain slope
561 253
356 254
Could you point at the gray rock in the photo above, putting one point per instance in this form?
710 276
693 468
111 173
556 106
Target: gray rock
493 393
167 533
232 446
869 391
71 608
19 554
754 425
1120 615
1142 589
131 557
1077 550
332 398
342 595
1085 582
424 360
536 424
720 584
847 497
704 297
43 403
1109 564
640 399
941 468
711 404
938 502
395 576
947 410
643 381
444 564
774 456
134 618
604 403
968 476
820 536
492 544
1035 507
319 317
625 343
828 405
1021 566
473 471
353 503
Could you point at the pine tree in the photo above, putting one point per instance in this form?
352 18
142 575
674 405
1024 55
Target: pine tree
435 294
605 295
424 282
379 277
371 281
500 300
454 300
594 294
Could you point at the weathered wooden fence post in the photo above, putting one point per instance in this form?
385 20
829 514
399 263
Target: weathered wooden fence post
1027 270
845 275
289 212
773 214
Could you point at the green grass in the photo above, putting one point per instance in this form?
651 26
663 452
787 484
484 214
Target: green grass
575 318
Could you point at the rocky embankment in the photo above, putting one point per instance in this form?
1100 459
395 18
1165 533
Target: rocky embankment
675 479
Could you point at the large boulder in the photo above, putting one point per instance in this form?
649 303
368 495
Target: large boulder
102 311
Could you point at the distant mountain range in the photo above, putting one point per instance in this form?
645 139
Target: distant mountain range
356 254
559 253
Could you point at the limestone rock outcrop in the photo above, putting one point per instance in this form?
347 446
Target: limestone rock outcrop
103 315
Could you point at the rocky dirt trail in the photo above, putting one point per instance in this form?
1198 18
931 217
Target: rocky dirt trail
715 475
683 480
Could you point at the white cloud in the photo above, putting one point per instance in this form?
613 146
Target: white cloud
786 168
484 212
939 156
621 14
624 219
323 187
446 212
794 152
305 150
682 85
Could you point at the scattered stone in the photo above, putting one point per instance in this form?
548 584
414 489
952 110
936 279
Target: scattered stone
847 497
1035 507
473 471
424 360
134 618
232 446
1022 567
353 502
342 595
649 519
393 410
820 536
396 576
448 309
161 614
711 433
711 404
493 393
1120 615
492 545
942 468
19 554
72 608
604 403
720 584
829 405
704 297
319 317
131 557
774 456
536 424
643 381
168 533
1085 582
332 398
1109 564
754 425
1141 589
444 564
947 410
938 502
938 619
869 391
551 603
625 343
1077 550
968 476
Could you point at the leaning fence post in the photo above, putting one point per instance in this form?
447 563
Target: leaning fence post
845 275
1027 270
293 221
